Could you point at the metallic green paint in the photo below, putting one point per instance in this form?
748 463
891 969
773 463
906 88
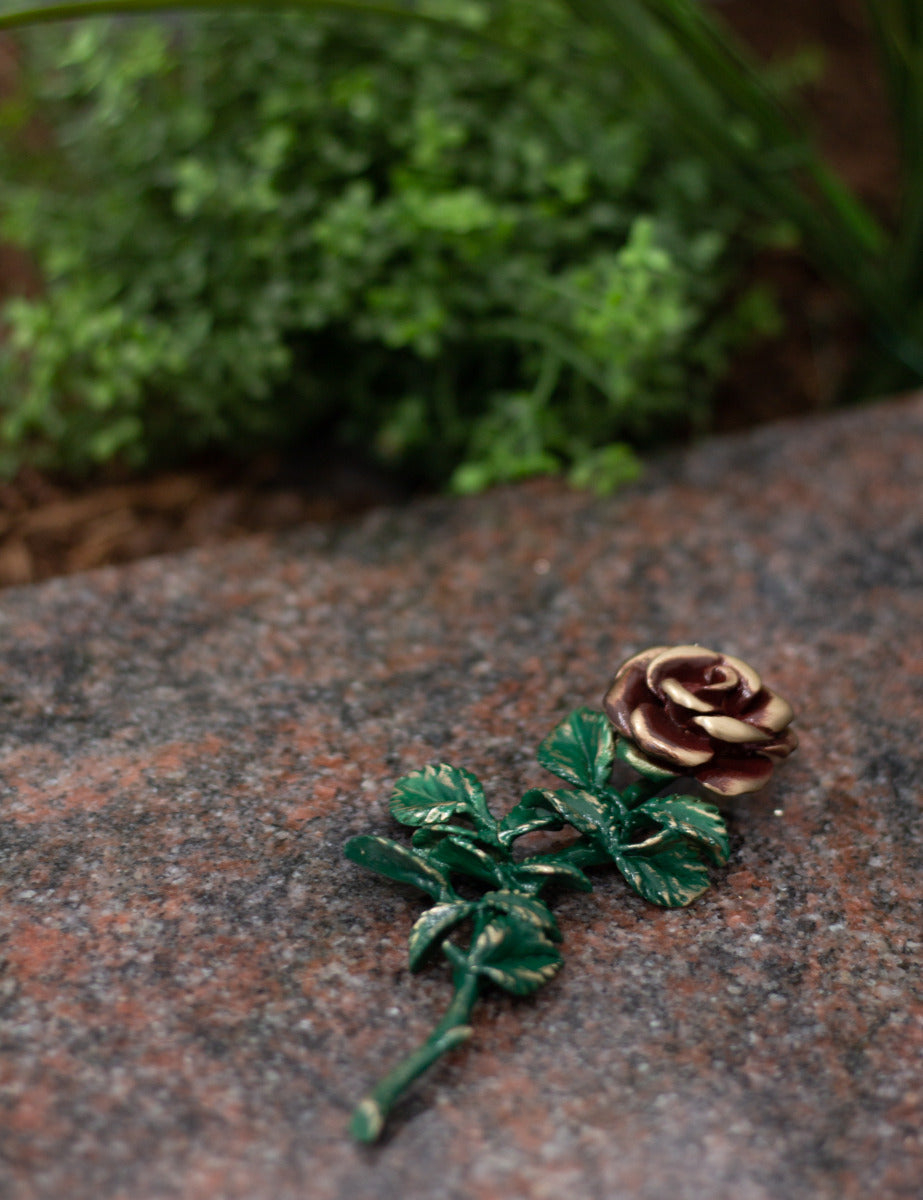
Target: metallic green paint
660 844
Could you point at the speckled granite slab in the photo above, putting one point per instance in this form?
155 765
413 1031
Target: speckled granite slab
196 987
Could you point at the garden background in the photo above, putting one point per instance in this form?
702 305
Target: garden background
500 281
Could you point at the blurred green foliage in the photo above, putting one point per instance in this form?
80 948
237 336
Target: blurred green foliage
254 227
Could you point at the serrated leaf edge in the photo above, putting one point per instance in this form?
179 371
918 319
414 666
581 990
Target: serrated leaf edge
598 767
716 846
422 939
470 797
627 864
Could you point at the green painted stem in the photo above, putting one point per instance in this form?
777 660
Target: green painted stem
586 853
369 1117
638 792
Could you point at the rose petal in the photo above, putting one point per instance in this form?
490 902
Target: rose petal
629 753
729 729
682 696
735 776
718 701
721 678
750 682
656 734
783 746
769 711
628 689
679 662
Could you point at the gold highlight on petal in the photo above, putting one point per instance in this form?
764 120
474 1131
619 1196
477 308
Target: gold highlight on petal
701 713
730 778
729 729
722 679
748 677
679 656
655 742
683 696
775 713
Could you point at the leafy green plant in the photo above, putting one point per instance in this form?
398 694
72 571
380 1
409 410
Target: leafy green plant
451 255
720 104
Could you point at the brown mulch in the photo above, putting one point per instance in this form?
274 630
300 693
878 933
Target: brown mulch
50 527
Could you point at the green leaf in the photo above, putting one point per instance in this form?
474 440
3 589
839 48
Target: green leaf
628 753
527 909
432 926
428 836
515 955
460 855
432 796
586 812
605 470
672 875
531 814
581 749
398 863
538 871
694 818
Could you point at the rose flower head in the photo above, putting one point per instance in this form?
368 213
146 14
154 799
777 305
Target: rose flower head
685 710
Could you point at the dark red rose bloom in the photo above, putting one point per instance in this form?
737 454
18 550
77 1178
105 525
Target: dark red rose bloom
691 711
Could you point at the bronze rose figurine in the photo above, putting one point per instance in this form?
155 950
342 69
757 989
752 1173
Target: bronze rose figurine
685 710
671 712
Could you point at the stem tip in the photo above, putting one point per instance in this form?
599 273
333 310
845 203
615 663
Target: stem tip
367 1121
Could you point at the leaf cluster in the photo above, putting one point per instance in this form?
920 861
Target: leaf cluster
661 845
253 226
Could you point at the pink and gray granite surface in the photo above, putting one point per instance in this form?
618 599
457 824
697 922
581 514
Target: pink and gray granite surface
196 987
